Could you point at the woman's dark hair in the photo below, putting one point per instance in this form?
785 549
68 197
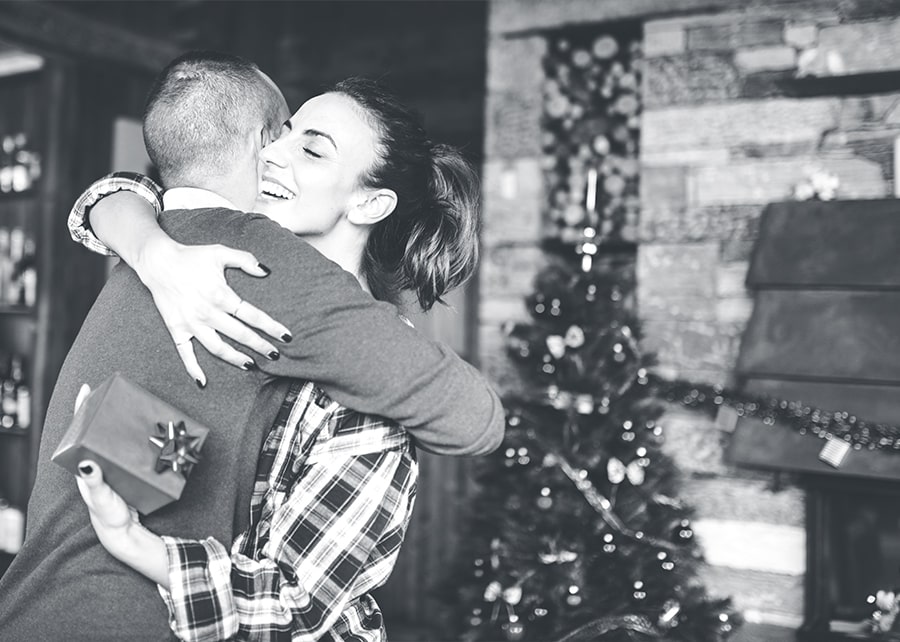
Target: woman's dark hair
429 244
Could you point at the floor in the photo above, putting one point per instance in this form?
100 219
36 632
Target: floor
747 633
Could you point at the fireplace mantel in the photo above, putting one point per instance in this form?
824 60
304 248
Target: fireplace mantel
825 329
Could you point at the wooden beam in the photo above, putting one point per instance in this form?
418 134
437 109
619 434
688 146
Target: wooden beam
520 17
51 29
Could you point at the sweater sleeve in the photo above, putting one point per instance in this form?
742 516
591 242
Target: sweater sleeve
355 347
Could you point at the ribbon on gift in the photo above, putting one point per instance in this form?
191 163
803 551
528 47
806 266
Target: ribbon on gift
179 451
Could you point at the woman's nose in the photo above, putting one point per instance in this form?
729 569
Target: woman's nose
273 154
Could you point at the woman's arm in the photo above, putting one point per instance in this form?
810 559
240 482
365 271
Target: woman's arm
117 216
308 575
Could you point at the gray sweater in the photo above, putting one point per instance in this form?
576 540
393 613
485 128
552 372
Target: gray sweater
63 585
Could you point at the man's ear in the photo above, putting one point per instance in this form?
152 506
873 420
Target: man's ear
375 205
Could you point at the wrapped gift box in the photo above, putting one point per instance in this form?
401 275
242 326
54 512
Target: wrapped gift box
145 447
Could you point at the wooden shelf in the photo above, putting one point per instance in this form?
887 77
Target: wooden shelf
17 310
876 82
31 192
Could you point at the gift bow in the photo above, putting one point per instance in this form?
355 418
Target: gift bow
511 595
617 471
179 451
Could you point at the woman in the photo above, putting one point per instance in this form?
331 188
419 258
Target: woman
354 174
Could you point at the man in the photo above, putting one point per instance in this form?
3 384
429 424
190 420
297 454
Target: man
63 585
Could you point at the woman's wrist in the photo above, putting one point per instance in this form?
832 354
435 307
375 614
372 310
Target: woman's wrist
140 549
154 253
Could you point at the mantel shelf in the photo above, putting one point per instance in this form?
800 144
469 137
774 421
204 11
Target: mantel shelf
875 82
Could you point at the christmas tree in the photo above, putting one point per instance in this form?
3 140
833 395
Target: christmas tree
578 524
578 532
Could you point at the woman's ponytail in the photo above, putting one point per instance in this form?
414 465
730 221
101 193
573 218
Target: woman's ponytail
442 250
429 244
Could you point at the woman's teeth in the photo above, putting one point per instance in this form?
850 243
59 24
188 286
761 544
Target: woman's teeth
276 191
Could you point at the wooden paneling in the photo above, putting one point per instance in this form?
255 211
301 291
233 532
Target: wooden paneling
57 30
823 335
835 244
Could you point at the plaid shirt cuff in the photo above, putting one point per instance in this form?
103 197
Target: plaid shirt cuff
199 599
79 223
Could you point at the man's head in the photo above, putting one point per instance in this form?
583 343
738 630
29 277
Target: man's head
207 116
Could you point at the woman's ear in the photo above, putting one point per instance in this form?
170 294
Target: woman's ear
375 206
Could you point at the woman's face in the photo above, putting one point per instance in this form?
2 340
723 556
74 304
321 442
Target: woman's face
312 172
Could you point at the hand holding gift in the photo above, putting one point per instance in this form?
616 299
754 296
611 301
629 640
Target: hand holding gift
115 437
111 517
145 447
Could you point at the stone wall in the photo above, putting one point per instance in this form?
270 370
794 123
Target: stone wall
721 137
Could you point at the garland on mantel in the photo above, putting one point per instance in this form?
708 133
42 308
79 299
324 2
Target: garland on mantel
798 416
802 418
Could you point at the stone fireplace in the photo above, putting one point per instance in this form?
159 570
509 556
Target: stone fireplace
726 128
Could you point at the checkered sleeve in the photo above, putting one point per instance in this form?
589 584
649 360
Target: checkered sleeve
346 514
79 223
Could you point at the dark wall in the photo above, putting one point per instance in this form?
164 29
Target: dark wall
432 53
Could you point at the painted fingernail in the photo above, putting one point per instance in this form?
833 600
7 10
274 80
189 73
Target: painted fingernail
200 384
287 338
273 356
86 469
249 365
264 268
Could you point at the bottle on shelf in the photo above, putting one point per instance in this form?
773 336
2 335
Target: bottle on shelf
21 176
15 397
20 166
7 161
12 528
18 269
28 273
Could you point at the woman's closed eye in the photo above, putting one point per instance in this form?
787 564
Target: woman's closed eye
310 152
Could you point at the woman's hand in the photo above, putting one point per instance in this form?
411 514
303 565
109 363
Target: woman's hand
189 288
110 515
116 523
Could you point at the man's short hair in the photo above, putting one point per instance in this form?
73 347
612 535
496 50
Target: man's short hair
200 111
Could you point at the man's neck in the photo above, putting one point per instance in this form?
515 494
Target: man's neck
191 198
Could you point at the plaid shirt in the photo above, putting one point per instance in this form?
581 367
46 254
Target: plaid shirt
78 222
333 495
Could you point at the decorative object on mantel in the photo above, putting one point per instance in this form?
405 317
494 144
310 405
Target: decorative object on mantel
884 618
818 183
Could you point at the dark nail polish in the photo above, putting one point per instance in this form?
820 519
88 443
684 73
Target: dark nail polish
86 469
264 268
250 365
200 384
273 356
286 337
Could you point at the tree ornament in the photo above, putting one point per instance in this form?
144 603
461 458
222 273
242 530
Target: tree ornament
513 630
684 532
639 593
574 596
545 501
668 619
609 545
556 345
574 337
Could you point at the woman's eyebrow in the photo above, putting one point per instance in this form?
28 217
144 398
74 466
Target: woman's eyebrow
316 132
